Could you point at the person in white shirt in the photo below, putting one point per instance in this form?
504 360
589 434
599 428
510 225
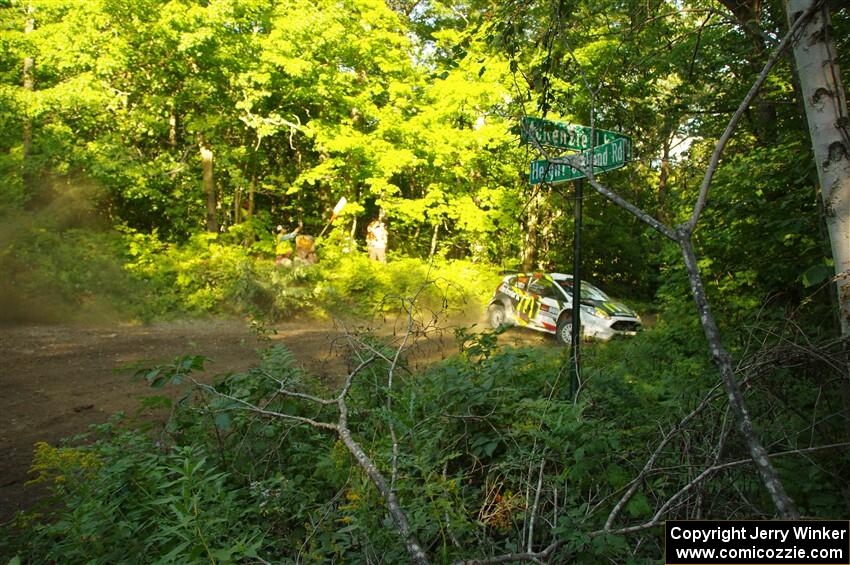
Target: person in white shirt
376 239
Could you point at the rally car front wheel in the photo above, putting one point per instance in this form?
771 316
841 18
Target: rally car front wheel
496 315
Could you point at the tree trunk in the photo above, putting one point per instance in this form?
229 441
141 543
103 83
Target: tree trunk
29 87
209 187
237 206
664 178
251 191
826 113
434 239
530 251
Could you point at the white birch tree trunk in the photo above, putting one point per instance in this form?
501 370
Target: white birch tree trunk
826 112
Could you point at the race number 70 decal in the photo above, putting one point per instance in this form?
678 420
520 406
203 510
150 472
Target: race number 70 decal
527 309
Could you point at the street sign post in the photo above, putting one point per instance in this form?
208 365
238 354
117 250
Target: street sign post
575 337
606 157
604 150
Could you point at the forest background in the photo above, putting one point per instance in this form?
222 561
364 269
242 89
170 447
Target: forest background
148 149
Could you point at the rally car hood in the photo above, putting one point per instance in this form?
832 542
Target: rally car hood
612 308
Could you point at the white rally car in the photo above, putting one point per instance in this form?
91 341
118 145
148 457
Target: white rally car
543 302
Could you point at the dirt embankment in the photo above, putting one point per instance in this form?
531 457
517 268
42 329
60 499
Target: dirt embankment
58 380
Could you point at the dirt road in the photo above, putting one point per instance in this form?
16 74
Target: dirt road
58 380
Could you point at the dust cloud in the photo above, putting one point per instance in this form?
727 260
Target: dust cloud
33 252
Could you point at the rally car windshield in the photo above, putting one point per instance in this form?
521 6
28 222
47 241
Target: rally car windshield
588 291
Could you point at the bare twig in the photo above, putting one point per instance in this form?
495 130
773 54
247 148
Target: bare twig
654 522
258 410
538 557
645 217
414 548
615 512
536 502
408 307
283 391
659 514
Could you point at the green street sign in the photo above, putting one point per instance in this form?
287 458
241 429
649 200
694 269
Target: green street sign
564 136
606 157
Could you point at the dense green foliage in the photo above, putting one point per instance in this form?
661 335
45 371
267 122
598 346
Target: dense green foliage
296 120
416 117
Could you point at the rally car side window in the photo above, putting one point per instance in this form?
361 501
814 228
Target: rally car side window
550 291
541 288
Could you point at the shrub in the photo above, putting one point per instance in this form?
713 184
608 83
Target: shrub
207 274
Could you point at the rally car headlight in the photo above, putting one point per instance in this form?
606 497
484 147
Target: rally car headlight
600 313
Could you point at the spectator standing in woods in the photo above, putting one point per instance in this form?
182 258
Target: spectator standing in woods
283 248
376 239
